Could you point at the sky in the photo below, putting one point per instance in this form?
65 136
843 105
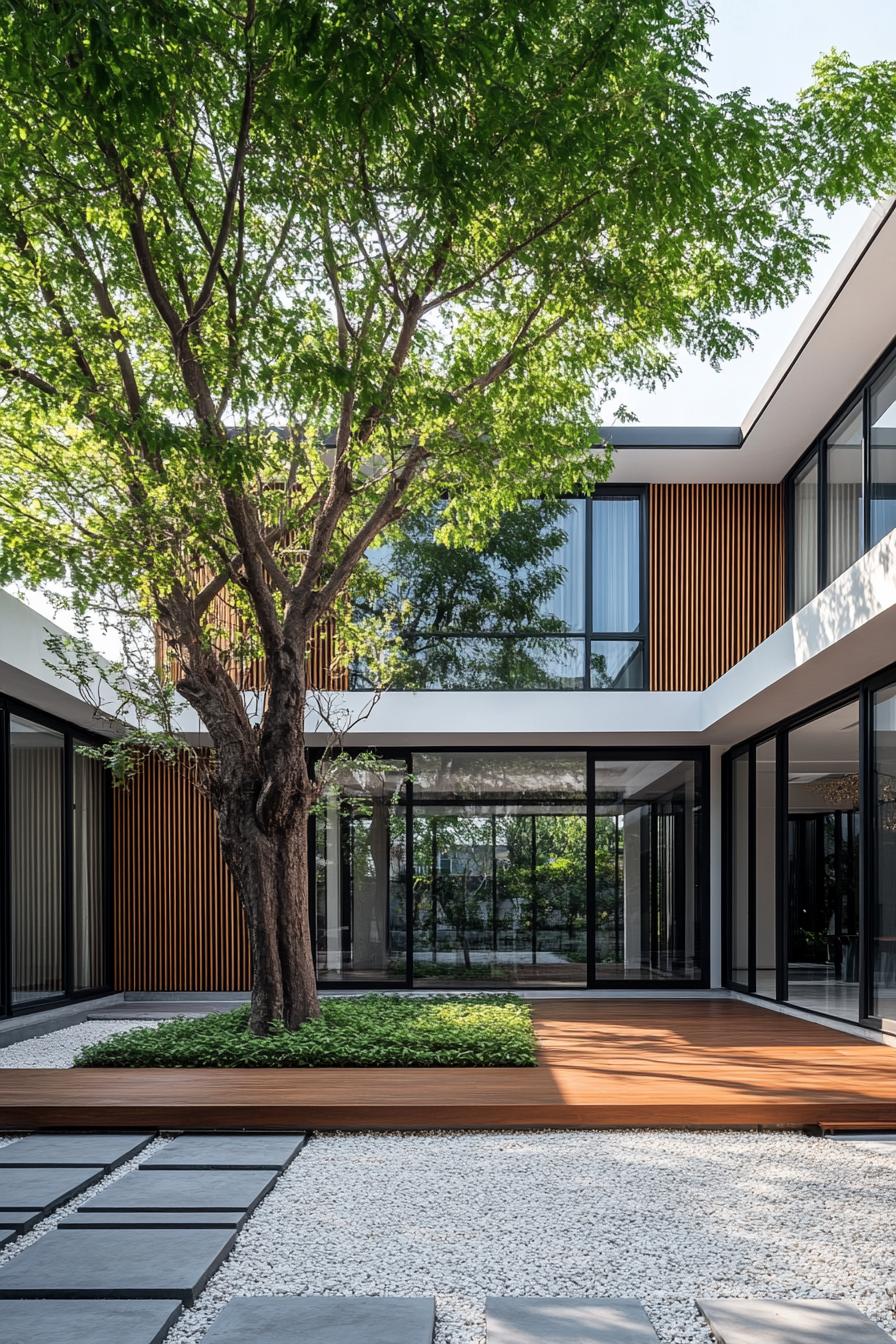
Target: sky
769 46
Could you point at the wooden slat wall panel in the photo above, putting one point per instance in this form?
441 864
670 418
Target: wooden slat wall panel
323 669
716 578
178 924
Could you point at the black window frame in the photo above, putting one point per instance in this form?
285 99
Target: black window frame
699 755
72 735
860 395
862 692
585 635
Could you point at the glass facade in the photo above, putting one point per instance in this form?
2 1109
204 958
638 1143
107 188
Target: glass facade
543 868
54 896
811 859
555 600
842 494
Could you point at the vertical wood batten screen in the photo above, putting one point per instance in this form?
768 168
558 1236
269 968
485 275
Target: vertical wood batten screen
178 924
716 578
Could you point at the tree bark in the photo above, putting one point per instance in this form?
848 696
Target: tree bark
271 875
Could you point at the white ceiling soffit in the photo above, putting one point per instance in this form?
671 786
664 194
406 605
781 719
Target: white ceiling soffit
846 331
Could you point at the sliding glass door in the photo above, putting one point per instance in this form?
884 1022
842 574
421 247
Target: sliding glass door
552 869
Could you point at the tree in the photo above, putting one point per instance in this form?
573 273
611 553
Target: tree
276 273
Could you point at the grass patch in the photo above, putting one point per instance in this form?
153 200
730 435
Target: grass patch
376 1030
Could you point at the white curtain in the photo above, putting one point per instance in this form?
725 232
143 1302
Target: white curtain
617 568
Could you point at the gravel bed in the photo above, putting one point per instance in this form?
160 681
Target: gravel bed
659 1215
57 1049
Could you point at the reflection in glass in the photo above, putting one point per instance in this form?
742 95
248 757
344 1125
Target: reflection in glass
844 493
884 908
35 788
647 842
361 886
805 530
765 861
441 776
823 863
617 665
499 894
487 663
616 560
740 870
89 874
883 454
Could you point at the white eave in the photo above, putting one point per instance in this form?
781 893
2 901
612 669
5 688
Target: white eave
848 328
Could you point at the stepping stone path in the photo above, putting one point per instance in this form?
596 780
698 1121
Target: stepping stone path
107 1322
105 1151
127 1218
171 1262
324 1320
119 1270
235 1152
179 1191
567 1320
809 1321
40 1190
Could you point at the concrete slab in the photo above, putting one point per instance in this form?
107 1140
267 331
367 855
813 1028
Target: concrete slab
142 1218
809 1321
102 1322
7 1234
170 1262
235 1151
183 1192
44 1188
20 1220
73 1150
567 1320
325 1320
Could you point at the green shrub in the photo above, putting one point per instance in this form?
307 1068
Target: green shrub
376 1030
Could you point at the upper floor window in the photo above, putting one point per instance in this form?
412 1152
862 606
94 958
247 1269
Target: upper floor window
842 495
553 601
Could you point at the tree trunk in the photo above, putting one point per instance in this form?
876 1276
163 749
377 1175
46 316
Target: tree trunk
270 872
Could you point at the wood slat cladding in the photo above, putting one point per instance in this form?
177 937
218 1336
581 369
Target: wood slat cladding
716 578
177 922
322 667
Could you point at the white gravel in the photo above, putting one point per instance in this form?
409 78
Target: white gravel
57 1049
662 1216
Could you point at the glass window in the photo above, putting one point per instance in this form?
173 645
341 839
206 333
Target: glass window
499 868
740 870
823 863
883 994
765 868
805 534
616 562
844 467
36 772
89 875
617 664
484 663
883 454
361 880
647 842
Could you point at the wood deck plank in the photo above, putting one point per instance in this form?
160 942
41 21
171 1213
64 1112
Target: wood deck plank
610 1063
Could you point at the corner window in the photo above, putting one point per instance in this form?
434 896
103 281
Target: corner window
842 494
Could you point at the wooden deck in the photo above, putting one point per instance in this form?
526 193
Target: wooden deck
602 1063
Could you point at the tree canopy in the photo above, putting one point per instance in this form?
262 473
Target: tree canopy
430 237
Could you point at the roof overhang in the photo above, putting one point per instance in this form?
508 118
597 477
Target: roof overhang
848 328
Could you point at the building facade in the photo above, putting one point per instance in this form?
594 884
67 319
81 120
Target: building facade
646 742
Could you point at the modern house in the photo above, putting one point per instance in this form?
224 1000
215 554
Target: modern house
659 755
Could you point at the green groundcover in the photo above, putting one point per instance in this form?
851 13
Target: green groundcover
373 1030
